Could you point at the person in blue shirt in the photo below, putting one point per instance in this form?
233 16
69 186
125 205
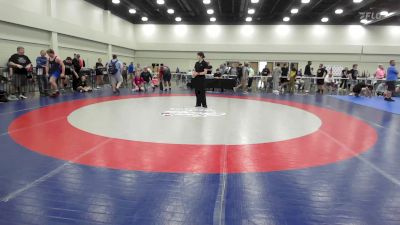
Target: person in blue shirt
391 79
131 71
41 71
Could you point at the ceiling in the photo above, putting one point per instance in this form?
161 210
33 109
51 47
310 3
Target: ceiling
266 11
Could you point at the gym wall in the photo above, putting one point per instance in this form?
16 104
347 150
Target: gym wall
334 45
68 26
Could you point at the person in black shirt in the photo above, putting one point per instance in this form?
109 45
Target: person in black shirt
284 77
70 72
321 73
20 64
99 67
267 81
77 65
239 71
354 75
146 75
307 75
198 80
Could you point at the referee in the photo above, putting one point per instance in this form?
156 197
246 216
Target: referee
198 81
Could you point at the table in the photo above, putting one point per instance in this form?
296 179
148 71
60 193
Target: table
218 83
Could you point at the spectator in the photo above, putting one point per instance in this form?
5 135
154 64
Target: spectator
251 76
99 68
115 71
276 75
131 71
167 78
20 64
362 89
343 82
284 77
70 73
146 75
265 80
161 76
380 74
138 83
125 74
77 64
307 76
82 86
81 61
41 71
292 80
55 71
391 79
218 74
329 82
243 80
321 73
354 75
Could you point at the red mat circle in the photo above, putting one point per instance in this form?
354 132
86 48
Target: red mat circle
47 131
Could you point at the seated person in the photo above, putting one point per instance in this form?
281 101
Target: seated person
138 83
82 85
329 82
217 74
146 75
362 89
380 89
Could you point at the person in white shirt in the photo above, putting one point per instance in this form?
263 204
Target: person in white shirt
251 75
329 83
276 75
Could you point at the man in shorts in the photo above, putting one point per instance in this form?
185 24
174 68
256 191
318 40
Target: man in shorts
115 71
20 64
391 79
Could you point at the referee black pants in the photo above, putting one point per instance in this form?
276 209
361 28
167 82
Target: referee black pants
200 91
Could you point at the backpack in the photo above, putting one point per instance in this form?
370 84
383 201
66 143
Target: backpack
112 67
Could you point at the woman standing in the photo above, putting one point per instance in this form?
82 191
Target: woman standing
99 68
199 80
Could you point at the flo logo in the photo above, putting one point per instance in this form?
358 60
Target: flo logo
372 16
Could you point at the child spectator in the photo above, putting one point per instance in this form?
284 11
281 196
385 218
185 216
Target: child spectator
146 75
82 86
138 83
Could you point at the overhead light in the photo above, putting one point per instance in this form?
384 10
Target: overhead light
384 13
294 11
254 1
364 21
206 2
251 11
213 19
305 1
132 11
160 2
325 19
170 11
116 1
339 11
144 19
286 19
249 19
210 11
357 1
178 19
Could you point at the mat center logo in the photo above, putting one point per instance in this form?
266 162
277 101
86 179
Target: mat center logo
192 112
